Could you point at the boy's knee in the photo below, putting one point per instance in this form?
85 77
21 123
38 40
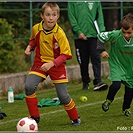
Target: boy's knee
65 99
29 89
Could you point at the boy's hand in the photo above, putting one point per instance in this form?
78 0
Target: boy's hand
105 54
2 115
28 50
46 66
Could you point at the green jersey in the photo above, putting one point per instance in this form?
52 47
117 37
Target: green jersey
82 16
120 56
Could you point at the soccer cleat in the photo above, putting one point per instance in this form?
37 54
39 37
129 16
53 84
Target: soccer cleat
100 86
105 105
76 122
85 86
37 119
127 112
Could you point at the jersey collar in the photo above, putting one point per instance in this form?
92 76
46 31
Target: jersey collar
47 32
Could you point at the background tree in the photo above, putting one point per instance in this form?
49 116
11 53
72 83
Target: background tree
15 28
11 55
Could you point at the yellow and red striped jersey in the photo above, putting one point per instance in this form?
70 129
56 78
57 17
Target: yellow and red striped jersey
50 45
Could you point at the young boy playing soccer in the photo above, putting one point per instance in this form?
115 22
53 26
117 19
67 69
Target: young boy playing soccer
52 50
120 60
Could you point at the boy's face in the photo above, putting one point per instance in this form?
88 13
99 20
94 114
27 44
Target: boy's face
50 17
128 34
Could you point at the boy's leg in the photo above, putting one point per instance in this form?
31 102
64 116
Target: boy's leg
127 101
66 100
113 89
31 84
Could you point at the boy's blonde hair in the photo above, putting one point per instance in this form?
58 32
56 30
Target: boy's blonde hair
52 5
127 21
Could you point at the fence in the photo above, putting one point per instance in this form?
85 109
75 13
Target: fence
29 15
116 9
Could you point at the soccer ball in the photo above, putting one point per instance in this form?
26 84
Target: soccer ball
27 124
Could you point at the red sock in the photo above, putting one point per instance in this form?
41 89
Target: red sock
71 110
32 105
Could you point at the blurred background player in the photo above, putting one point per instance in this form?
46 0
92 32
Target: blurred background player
82 16
52 50
120 59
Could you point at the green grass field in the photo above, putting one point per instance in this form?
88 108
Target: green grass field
54 118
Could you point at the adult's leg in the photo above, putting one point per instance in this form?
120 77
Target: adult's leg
95 60
82 54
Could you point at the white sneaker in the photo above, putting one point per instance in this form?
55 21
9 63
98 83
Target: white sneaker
100 86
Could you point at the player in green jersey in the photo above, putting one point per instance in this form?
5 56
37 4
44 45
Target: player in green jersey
120 60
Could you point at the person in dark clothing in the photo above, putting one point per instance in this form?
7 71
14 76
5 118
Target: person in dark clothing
83 16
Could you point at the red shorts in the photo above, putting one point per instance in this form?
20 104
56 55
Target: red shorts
57 74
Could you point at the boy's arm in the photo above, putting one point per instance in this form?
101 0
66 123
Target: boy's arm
101 49
30 47
100 46
61 59
56 62
32 44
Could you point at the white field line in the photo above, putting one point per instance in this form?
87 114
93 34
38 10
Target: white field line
57 111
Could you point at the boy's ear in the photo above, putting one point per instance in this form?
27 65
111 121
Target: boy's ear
58 15
41 15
